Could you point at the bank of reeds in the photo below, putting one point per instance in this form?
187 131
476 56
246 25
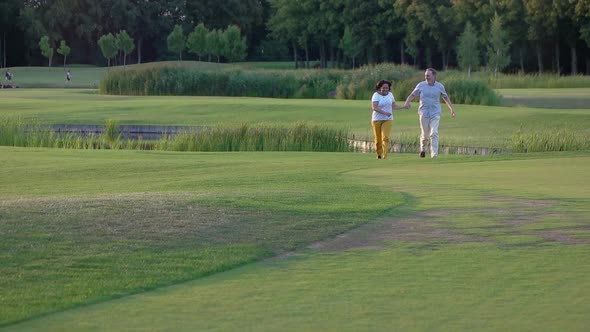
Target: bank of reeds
360 83
519 80
356 84
471 92
542 81
549 140
300 137
234 82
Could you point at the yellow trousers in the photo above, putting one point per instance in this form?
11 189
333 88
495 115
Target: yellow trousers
381 130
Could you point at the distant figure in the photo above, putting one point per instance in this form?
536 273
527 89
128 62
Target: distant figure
68 76
8 76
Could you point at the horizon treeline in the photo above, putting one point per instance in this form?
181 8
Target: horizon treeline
535 35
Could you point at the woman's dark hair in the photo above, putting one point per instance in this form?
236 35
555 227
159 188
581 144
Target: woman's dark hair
380 84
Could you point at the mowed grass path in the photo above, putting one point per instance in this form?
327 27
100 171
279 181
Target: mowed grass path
494 243
474 125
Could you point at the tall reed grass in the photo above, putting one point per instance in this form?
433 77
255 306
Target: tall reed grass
360 83
520 81
530 81
299 137
329 83
229 82
549 140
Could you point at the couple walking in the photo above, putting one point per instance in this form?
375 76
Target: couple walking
383 103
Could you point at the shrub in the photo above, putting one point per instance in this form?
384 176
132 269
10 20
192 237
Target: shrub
473 92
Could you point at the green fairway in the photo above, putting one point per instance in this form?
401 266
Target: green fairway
55 77
155 240
474 126
547 98
458 243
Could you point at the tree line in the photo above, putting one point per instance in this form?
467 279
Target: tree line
503 35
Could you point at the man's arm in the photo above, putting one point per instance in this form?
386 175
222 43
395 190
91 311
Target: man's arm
450 105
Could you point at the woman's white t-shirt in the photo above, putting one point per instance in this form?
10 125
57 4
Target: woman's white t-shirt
385 104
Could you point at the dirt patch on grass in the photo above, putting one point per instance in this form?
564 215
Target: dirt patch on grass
506 217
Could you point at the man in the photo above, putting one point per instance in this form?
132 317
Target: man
430 92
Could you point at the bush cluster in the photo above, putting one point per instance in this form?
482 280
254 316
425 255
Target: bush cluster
235 82
356 84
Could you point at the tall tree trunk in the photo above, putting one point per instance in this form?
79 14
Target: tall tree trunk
428 57
587 65
401 52
521 55
295 53
539 59
139 42
4 48
557 62
332 57
574 60
322 54
306 56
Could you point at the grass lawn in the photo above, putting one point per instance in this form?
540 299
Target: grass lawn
474 126
572 98
146 240
457 243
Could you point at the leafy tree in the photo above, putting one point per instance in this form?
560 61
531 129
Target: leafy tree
64 50
542 25
349 45
125 44
567 25
176 41
582 18
512 13
288 23
415 13
197 41
498 57
9 14
215 14
108 47
46 48
215 43
234 45
467 49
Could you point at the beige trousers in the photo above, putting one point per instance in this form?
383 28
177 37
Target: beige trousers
429 130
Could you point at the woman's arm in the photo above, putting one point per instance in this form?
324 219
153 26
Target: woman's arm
378 110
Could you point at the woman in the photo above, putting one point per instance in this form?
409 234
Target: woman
383 105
